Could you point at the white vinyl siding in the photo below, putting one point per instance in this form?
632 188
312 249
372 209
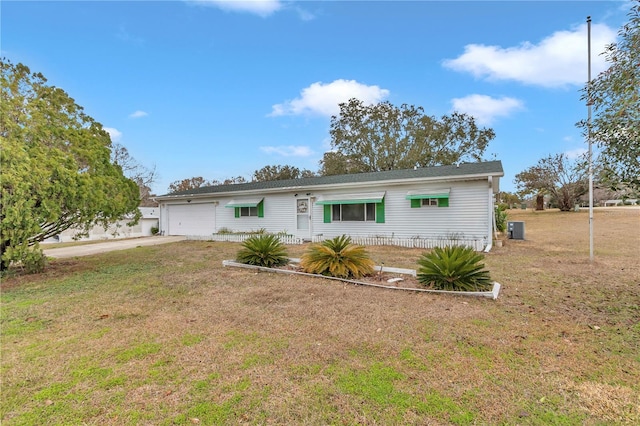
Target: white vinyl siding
279 214
466 215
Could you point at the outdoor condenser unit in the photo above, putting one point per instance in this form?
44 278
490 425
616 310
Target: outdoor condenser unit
515 230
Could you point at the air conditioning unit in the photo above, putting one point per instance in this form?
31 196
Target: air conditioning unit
515 230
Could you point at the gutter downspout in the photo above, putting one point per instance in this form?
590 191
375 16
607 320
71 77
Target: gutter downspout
492 220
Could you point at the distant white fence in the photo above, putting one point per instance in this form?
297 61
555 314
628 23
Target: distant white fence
477 244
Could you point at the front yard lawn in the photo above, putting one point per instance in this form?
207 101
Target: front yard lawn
166 335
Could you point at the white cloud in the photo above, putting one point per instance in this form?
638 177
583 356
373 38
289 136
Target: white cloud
323 99
138 114
558 60
261 8
288 150
115 134
572 154
304 14
127 37
486 109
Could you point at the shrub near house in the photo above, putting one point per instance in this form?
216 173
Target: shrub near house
337 257
455 268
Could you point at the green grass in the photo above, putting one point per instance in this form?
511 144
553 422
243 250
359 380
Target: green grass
139 351
166 335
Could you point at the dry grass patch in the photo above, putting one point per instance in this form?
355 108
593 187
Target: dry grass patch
166 335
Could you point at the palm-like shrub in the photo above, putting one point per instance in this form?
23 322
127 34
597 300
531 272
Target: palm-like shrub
263 250
457 268
337 257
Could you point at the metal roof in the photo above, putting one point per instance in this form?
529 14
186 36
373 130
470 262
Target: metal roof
486 168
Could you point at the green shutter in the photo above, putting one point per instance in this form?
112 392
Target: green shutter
237 211
443 202
261 209
327 213
380 212
415 203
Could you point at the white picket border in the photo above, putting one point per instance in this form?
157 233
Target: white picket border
238 238
477 244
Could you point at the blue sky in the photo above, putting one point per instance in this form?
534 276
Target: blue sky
221 89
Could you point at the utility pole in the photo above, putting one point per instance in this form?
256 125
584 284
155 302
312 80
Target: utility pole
589 104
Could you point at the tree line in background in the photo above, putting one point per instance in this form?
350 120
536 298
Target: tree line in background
61 170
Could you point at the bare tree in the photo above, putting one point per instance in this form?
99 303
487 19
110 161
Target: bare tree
135 171
556 175
199 182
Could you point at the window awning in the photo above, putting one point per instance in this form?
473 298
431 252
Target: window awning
369 197
430 193
245 202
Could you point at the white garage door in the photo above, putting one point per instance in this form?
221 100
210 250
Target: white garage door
192 219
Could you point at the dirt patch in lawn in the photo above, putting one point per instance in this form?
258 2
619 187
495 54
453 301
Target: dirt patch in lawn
381 278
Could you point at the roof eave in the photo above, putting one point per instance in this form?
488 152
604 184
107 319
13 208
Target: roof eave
394 182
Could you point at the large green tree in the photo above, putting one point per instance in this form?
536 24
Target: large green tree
564 180
269 173
56 168
615 96
369 138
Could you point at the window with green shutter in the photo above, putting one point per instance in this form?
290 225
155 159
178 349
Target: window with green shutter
429 198
247 207
380 212
364 212
362 207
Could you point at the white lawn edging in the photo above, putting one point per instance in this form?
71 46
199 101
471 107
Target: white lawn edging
493 294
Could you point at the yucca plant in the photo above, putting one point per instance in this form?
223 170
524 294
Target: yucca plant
263 250
337 257
457 268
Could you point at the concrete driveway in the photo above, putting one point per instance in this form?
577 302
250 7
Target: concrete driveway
111 245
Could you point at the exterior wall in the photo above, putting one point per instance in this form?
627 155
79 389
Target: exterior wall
465 217
468 215
150 218
146 225
116 230
279 215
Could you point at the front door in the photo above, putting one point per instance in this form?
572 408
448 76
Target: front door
303 218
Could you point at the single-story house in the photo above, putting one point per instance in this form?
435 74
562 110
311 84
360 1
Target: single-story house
431 204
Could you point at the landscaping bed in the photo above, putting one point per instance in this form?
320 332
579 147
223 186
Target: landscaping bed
385 277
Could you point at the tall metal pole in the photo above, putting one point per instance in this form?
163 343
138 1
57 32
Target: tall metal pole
589 103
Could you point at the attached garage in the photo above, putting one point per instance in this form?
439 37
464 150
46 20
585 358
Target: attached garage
192 219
